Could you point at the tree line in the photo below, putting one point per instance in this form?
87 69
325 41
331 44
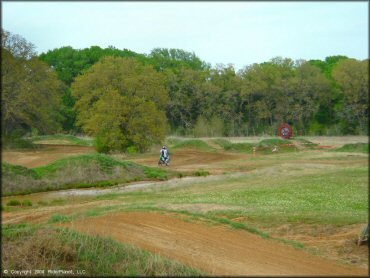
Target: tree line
132 100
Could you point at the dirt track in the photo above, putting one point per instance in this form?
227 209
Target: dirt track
43 156
216 250
190 160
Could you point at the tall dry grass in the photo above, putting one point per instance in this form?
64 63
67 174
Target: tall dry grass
48 247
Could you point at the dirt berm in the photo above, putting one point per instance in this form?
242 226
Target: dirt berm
217 250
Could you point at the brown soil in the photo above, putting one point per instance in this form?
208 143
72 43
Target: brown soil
216 250
42 214
190 160
44 155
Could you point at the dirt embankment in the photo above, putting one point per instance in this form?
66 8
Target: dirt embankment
44 155
216 250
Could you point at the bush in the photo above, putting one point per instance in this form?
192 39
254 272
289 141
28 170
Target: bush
100 146
15 141
316 128
132 150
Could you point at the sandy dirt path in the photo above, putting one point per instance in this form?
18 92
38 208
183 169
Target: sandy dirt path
217 250
43 156
43 214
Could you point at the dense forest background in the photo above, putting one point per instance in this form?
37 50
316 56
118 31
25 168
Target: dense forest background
132 100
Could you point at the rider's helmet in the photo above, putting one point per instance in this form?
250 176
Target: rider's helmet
164 146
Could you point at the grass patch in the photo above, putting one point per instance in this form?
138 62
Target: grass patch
24 203
17 170
331 196
13 203
354 148
194 144
60 248
58 218
17 231
154 173
201 173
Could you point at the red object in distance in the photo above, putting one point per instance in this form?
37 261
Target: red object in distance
285 131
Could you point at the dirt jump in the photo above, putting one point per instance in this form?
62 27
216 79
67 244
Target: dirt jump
44 155
217 250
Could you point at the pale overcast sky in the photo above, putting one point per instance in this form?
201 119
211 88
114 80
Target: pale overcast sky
240 33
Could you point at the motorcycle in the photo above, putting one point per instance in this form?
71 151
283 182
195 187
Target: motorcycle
164 161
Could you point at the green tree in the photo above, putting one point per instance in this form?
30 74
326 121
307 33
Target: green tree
31 91
352 77
163 59
310 89
121 102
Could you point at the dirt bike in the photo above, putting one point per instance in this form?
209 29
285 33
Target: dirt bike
163 161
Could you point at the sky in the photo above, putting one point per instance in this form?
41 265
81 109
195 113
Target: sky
238 33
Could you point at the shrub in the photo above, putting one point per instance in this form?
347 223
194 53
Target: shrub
132 150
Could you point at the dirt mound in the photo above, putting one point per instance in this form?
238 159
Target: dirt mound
43 156
216 250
